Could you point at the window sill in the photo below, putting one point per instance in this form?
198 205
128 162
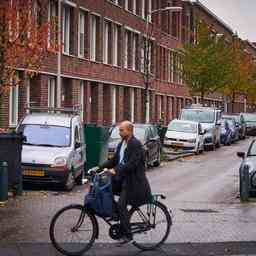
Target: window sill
111 65
117 5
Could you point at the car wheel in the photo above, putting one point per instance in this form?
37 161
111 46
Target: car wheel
70 181
158 161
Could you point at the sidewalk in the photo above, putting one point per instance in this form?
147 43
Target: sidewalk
110 249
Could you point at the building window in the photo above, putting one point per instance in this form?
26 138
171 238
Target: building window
14 105
66 28
126 49
95 38
51 92
108 47
53 23
81 33
117 55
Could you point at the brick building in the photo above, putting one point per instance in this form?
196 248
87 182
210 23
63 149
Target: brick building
102 64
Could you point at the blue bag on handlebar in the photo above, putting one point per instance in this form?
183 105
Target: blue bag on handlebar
100 196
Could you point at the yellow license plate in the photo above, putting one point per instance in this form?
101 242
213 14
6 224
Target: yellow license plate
177 145
33 173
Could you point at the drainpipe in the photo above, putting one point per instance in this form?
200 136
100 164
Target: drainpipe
59 56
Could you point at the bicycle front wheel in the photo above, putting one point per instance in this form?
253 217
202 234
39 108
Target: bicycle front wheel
73 230
150 225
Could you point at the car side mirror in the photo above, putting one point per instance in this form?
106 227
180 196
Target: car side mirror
241 154
77 145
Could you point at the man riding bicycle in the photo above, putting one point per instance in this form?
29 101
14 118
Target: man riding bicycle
129 178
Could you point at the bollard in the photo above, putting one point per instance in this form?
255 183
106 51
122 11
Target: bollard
244 184
3 181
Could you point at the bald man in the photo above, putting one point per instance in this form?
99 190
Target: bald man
129 178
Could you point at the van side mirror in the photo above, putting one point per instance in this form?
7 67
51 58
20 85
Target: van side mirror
241 154
77 145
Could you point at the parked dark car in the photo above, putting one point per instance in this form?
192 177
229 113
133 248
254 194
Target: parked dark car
249 161
226 133
148 135
240 123
250 121
234 126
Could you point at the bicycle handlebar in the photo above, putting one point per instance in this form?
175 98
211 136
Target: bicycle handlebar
95 170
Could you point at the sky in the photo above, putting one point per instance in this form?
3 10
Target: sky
240 15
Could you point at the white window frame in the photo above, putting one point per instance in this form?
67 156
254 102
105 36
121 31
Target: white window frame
133 51
113 104
126 5
66 34
172 67
81 32
126 49
51 92
134 6
82 84
54 13
149 10
143 9
93 38
115 44
105 49
11 123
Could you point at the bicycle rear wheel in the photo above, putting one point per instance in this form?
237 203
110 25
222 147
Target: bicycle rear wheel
73 230
150 225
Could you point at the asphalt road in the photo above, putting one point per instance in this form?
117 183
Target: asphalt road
202 192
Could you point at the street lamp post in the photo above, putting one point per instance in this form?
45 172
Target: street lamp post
147 64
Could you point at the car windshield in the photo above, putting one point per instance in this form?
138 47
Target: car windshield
235 118
249 117
139 133
231 122
201 116
45 135
252 150
182 127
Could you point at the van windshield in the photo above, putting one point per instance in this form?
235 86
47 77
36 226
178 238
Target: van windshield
45 135
200 116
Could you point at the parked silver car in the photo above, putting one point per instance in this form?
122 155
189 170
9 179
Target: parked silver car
210 121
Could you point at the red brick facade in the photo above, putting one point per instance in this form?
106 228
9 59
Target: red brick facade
168 94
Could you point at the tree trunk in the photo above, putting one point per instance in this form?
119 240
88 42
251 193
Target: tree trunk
202 98
233 102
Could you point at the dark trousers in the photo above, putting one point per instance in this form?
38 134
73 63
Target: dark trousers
123 213
121 207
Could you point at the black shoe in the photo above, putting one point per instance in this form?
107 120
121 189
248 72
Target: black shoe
125 240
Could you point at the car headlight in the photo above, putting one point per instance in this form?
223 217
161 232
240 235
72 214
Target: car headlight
59 162
192 141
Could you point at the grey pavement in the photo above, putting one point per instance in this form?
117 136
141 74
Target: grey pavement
202 192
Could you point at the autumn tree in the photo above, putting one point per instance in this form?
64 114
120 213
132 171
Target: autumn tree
24 32
242 80
206 63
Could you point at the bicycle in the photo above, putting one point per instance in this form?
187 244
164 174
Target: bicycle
81 223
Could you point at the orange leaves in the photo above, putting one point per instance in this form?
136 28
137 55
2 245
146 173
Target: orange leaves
24 33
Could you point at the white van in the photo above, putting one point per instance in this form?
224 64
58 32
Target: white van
54 150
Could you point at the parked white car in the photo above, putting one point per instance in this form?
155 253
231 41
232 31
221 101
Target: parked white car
186 135
54 151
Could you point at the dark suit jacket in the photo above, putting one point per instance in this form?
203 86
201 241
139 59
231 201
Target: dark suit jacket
132 172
